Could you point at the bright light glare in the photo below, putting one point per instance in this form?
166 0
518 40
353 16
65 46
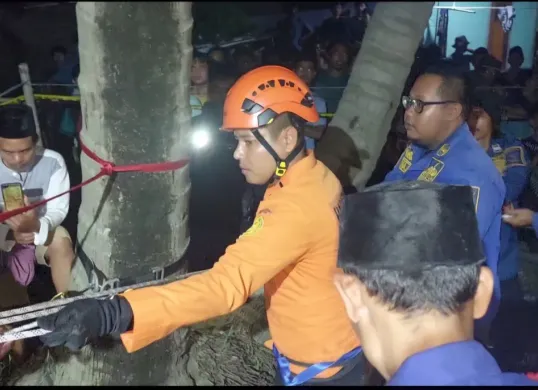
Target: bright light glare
200 139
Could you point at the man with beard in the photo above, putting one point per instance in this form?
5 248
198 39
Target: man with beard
443 150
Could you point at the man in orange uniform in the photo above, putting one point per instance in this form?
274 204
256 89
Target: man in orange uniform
291 250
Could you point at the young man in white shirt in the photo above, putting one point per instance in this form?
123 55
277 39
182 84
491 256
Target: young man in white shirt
42 174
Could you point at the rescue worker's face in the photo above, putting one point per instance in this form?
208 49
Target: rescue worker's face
427 113
256 164
389 336
306 70
199 72
480 124
338 57
17 154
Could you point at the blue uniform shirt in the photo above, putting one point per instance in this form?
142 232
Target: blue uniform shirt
510 158
460 160
465 363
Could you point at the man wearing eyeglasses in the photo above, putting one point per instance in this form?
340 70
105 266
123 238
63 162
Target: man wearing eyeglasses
443 150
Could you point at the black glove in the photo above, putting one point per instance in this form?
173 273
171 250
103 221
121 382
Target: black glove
80 321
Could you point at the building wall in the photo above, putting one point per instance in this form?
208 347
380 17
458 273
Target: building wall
523 29
475 26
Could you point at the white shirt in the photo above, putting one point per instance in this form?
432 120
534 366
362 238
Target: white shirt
46 178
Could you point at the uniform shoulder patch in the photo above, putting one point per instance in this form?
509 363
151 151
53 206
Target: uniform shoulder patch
257 225
406 160
515 156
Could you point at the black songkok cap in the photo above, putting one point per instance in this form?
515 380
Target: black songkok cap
16 121
410 226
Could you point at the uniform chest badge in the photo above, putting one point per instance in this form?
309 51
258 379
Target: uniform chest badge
431 173
405 164
257 225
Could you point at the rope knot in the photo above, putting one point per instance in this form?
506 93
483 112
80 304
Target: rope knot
107 168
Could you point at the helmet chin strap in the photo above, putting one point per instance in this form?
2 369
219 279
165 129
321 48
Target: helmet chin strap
282 165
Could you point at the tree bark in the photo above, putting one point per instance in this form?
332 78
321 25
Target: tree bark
135 64
353 142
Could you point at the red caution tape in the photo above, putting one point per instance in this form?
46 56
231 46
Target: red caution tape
107 169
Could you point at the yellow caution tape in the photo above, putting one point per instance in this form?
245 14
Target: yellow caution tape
57 97
39 96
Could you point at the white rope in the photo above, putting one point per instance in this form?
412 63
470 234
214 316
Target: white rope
46 308
11 89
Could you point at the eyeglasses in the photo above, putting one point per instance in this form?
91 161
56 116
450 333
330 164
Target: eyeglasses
418 105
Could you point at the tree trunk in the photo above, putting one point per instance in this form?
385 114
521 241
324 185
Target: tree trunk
135 64
353 142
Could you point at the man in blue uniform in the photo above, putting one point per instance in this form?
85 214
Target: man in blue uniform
509 156
443 150
415 281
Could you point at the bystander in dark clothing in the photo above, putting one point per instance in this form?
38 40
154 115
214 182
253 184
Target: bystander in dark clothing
330 83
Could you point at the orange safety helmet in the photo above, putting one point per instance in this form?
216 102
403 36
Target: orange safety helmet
262 94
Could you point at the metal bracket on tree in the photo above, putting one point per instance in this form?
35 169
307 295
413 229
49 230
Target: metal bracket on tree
97 285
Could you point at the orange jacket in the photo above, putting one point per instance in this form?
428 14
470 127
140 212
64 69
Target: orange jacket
291 249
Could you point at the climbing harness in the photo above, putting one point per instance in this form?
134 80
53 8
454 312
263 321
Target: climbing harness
311 372
43 309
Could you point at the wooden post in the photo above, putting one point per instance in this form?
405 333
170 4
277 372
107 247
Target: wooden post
28 92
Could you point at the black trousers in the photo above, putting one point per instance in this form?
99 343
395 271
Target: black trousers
355 372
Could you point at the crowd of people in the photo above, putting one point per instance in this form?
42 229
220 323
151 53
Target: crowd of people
406 276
